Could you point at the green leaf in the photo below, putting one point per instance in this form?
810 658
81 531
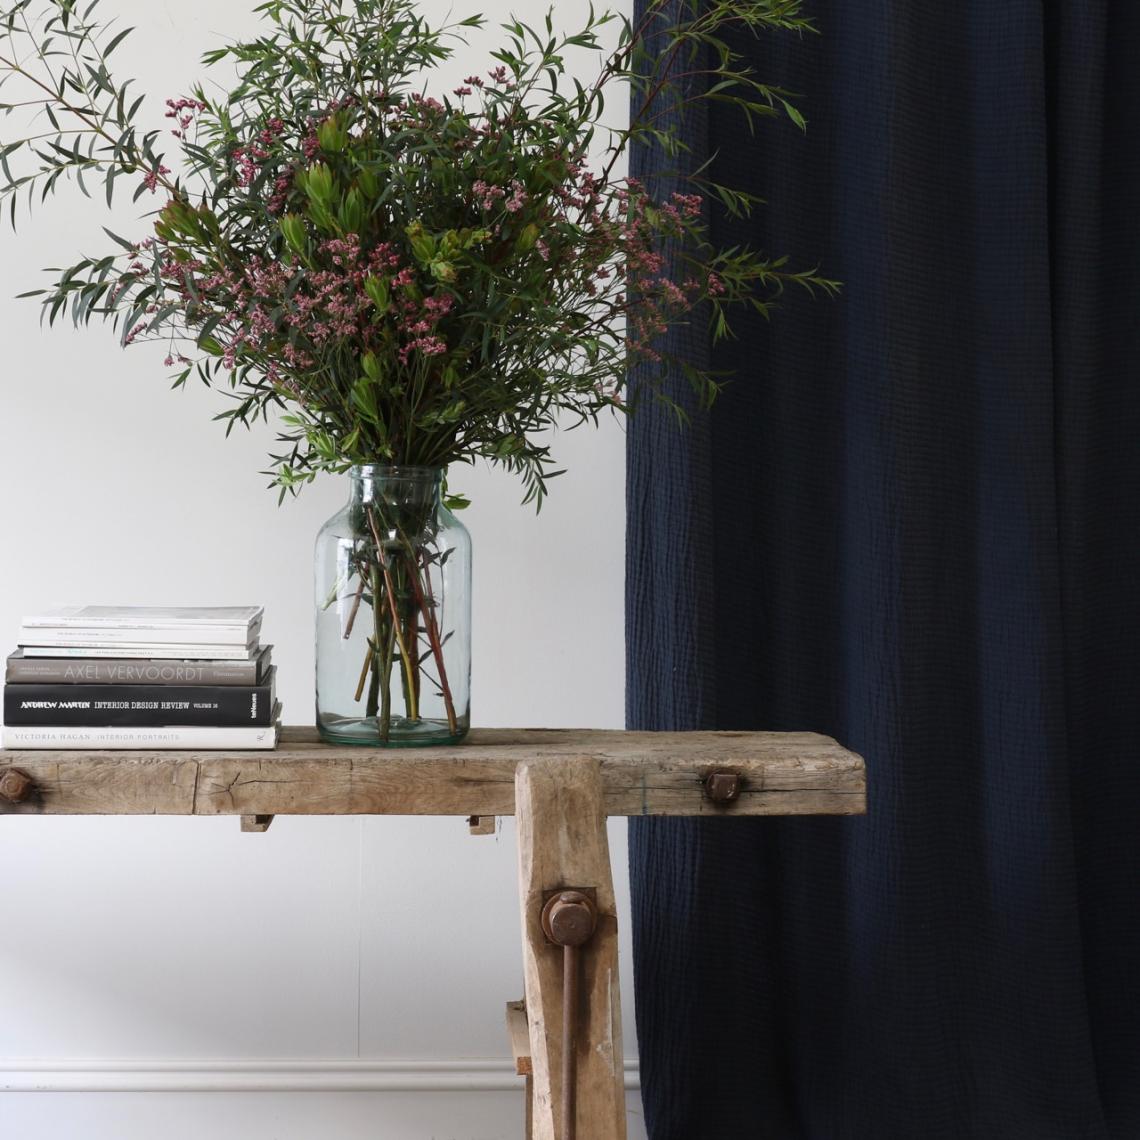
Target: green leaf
114 43
794 115
332 136
319 184
293 230
378 294
371 365
423 244
130 247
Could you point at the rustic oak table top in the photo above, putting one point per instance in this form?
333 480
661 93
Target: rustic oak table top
643 773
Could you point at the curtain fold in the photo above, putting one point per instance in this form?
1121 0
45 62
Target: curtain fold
911 523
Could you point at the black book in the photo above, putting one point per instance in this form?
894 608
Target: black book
25 670
102 706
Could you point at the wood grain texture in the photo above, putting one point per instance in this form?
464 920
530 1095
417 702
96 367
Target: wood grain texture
561 844
519 1035
643 773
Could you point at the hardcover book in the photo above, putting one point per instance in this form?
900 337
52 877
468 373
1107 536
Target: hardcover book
147 617
97 706
165 652
192 737
56 670
108 635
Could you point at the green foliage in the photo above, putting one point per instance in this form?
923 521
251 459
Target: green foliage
400 277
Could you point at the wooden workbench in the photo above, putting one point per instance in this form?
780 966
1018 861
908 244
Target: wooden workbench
560 783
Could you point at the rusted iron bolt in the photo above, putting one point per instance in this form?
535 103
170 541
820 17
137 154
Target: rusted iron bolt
16 786
569 918
722 787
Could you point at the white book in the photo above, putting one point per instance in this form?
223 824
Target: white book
156 651
106 635
146 617
204 738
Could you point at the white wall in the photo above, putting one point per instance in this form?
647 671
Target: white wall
333 978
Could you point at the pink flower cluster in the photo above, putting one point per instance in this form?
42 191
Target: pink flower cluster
658 300
287 323
248 161
518 197
421 322
682 208
250 158
582 189
310 145
279 199
427 102
487 196
150 180
182 111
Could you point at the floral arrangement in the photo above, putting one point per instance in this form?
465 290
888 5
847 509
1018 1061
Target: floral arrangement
399 274
402 277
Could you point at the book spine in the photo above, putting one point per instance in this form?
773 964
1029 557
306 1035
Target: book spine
105 635
143 652
188 737
109 671
99 706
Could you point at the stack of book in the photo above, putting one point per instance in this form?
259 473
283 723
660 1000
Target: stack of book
141 677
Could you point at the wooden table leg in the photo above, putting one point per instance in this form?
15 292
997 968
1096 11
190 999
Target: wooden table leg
562 844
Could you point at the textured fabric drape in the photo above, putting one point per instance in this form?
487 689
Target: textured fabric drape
912 522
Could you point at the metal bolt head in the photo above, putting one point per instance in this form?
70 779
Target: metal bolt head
569 918
722 787
16 786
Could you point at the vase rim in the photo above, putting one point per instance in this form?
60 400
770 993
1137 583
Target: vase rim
395 471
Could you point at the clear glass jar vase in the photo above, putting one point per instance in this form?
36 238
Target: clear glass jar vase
393 594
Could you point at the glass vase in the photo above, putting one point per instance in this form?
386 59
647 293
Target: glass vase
393 594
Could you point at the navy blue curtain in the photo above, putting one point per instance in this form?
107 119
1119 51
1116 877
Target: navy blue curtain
913 523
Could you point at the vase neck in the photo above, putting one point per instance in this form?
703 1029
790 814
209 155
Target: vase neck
371 482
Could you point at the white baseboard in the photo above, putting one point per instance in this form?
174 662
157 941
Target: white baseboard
264 1076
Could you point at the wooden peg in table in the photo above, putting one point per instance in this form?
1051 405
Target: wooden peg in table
16 786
